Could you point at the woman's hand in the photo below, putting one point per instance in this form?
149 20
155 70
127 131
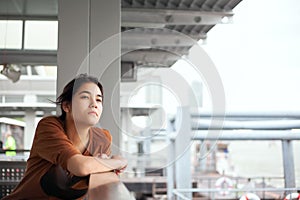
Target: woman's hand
116 162
123 163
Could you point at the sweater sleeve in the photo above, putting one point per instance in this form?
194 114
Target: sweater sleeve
51 142
101 142
109 138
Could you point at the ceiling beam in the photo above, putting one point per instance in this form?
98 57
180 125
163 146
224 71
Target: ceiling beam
42 57
28 17
133 17
160 57
155 58
163 42
138 17
50 58
136 40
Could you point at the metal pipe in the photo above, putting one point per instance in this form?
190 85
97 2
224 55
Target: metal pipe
205 124
180 195
247 114
176 191
246 135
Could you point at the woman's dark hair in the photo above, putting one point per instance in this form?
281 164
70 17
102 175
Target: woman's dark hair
71 88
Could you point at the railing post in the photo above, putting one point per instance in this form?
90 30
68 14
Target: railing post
264 185
170 169
182 149
171 159
288 164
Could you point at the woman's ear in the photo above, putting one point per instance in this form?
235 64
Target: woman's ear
66 106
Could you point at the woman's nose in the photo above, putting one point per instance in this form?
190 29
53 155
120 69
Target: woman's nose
93 104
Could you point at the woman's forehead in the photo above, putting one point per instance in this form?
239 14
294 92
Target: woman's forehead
90 87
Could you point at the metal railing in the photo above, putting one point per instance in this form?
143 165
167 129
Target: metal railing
11 172
249 125
281 192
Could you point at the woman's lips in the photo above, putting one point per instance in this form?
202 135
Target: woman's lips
93 112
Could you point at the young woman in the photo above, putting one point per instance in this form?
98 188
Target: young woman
68 148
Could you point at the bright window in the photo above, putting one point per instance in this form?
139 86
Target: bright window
41 35
10 34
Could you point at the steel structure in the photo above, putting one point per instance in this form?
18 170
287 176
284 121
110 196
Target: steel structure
152 28
183 126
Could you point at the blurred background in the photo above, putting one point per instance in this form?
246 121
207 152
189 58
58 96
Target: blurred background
183 64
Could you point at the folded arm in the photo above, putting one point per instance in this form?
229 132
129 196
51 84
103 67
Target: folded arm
81 165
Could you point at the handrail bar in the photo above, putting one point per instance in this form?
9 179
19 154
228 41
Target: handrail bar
270 124
247 135
235 189
178 192
247 114
16 150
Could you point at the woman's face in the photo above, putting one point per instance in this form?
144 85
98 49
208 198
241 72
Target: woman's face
87 105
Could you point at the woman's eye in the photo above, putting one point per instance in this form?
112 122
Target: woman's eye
99 100
84 97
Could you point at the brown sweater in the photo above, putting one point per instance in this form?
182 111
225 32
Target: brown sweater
52 146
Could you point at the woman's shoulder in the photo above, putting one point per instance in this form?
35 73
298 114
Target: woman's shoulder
100 132
53 120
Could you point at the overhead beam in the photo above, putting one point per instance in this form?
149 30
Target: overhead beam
29 17
45 57
50 57
23 7
158 58
137 17
27 106
131 40
137 39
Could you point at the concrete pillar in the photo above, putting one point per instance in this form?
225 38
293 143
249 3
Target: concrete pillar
89 42
105 61
29 128
73 40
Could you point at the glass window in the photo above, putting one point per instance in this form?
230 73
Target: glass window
41 35
23 70
14 98
45 98
10 34
34 71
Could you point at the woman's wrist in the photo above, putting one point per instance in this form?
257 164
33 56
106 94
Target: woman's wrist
109 164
